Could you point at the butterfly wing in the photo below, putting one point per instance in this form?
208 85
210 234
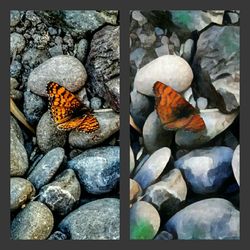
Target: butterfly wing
71 124
89 124
62 103
174 111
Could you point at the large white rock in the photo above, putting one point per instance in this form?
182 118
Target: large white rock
169 69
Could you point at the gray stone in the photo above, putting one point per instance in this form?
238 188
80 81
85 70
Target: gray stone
18 156
109 124
154 135
14 127
15 17
210 219
66 70
15 69
34 222
166 195
114 89
82 48
48 136
15 94
17 43
95 103
164 235
46 168
137 15
187 49
206 169
153 167
31 16
131 160
34 107
236 164
62 194
33 57
81 22
57 235
21 191
144 221
96 220
98 170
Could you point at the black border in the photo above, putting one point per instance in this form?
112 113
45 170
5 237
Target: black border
124 6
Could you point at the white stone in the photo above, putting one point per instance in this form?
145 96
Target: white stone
236 164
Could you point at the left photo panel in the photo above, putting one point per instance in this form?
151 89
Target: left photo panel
64 125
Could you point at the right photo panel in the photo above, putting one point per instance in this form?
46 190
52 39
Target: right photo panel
184 125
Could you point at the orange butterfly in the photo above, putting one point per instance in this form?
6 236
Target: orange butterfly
68 112
174 111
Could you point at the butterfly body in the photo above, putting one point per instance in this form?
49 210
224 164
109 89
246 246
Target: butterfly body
174 111
68 112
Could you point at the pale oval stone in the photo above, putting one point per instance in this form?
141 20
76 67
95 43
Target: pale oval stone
144 221
154 135
236 164
169 69
132 159
153 167
215 121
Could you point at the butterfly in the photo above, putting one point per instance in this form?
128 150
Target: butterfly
174 111
68 112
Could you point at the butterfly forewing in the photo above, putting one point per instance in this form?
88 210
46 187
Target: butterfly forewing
89 124
174 111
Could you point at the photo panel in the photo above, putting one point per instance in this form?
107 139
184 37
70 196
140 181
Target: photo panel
64 125
184 124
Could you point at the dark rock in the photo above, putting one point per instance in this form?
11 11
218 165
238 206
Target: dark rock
15 69
33 57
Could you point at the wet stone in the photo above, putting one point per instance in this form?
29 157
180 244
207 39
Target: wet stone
17 43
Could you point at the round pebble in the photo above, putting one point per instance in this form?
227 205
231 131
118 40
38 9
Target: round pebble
15 17
209 176
95 103
209 219
96 220
98 169
109 123
144 221
154 135
48 136
66 70
62 194
46 168
82 48
153 167
17 43
236 164
21 191
15 69
34 222
215 122
169 69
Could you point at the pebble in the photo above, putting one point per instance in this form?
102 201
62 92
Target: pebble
144 221
98 169
188 49
81 22
215 122
109 124
114 89
46 168
164 69
140 107
159 31
21 191
209 219
209 176
48 136
153 167
154 135
15 93
34 222
162 50
134 190
137 55
15 17
95 103
34 107
175 40
17 43
57 235
168 194
131 160
33 57
96 220
164 235
62 194
236 164
66 70
16 130
202 103
15 69
82 49
137 15
52 31
18 156
234 17
147 40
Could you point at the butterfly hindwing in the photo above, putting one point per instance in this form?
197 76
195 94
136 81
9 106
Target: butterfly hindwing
174 111
65 109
